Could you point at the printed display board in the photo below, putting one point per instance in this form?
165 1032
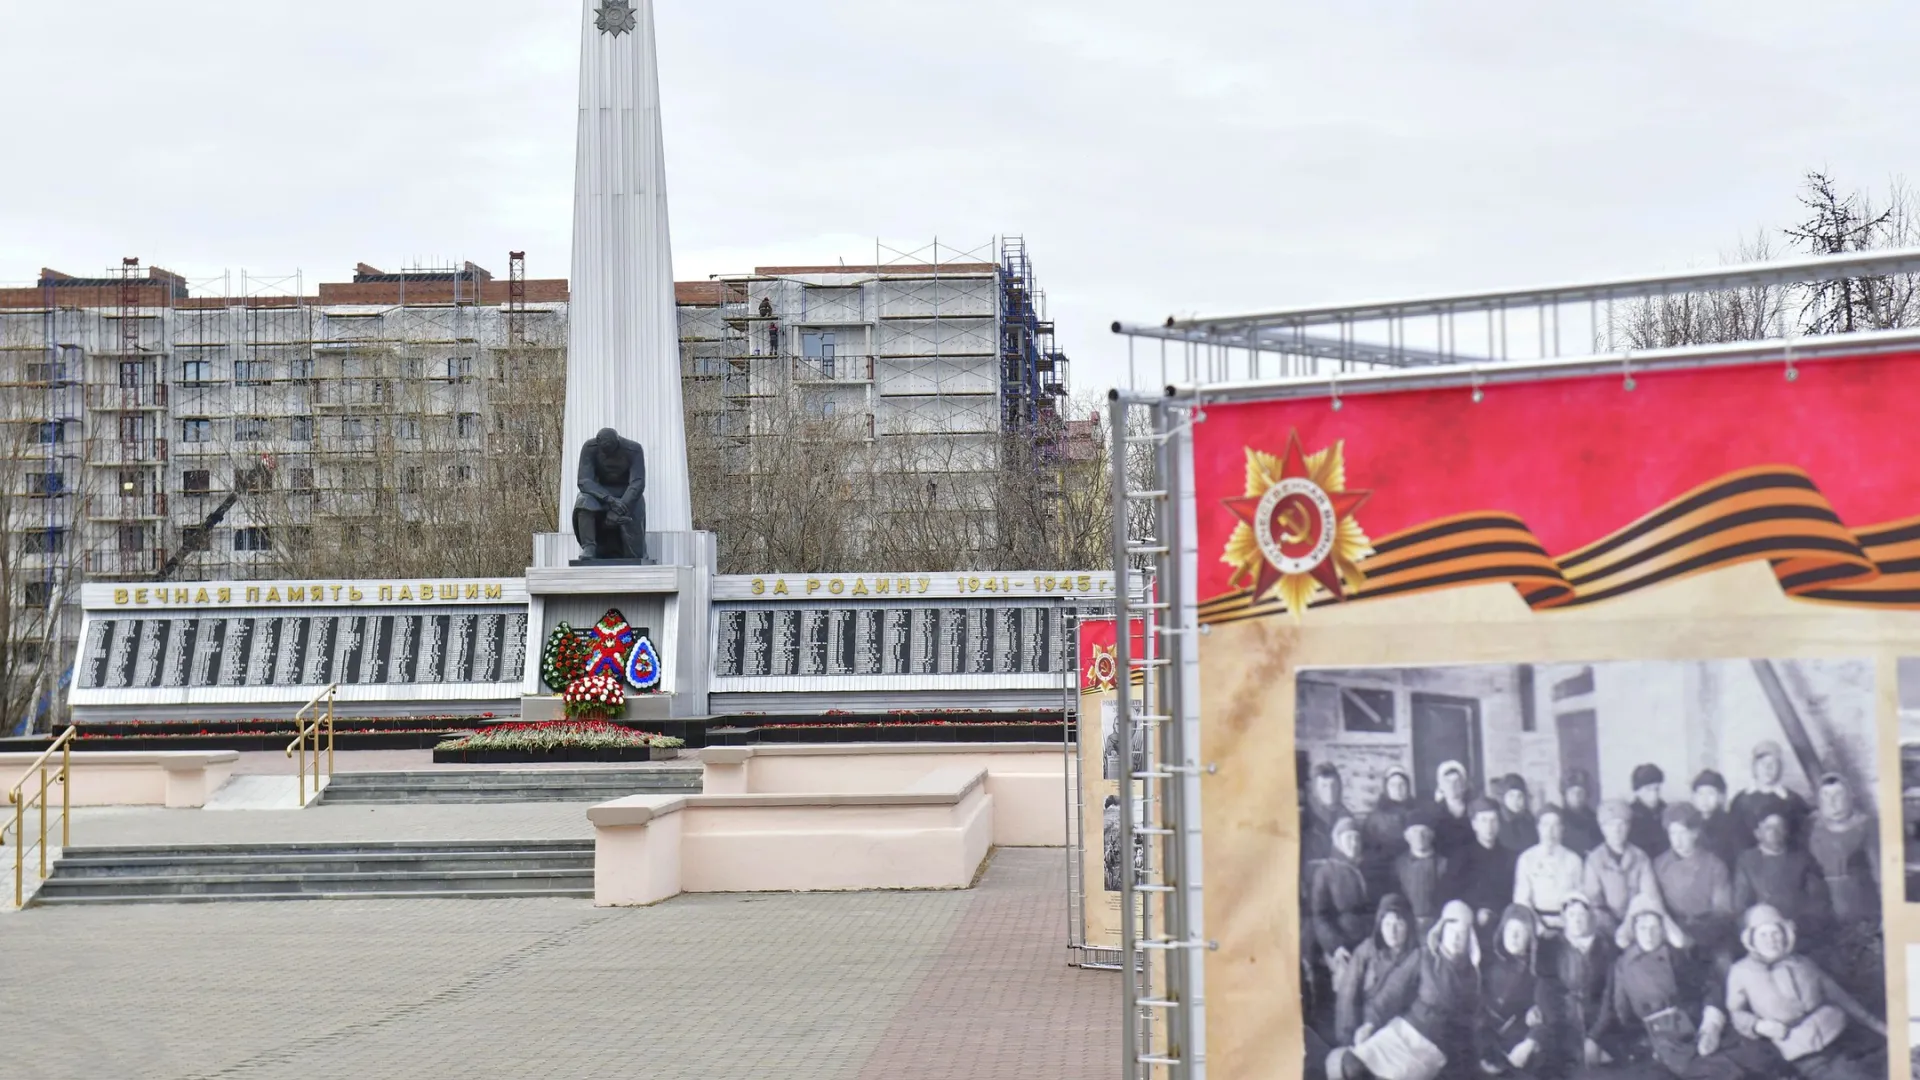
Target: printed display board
1559 720
889 638
406 646
1102 766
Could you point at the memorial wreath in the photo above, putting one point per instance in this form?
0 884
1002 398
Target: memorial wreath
594 697
564 658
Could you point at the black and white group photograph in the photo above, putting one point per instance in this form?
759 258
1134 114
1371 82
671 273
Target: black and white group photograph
1909 675
1112 842
1110 761
1629 869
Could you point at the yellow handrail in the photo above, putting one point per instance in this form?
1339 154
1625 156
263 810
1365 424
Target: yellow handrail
302 727
17 797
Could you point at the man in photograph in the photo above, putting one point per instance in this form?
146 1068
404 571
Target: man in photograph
1649 827
1719 831
1548 873
1617 872
1451 815
1483 872
1326 805
1695 886
1579 826
1110 841
1786 880
1517 829
1109 740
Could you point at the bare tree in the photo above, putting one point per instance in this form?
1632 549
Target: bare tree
41 498
1856 221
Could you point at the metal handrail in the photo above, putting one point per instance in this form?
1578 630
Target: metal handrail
302 727
16 796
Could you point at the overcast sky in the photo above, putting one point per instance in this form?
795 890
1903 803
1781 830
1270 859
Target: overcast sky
1158 158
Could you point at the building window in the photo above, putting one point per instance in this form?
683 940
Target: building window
1366 710
133 427
45 372
251 538
352 427
37 594
817 345
459 367
51 431
133 482
44 541
356 477
194 429
250 428
461 474
133 374
133 538
298 537
466 425
252 371
196 481
300 429
196 371
300 479
46 483
406 427
411 478
252 480
303 368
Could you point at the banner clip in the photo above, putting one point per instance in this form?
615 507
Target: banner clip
1793 373
1333 383
1626 368
1479 395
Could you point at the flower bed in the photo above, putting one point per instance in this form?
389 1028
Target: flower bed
557 740
892 731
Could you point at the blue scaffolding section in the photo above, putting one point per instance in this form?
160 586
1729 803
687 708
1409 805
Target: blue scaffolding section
1033 371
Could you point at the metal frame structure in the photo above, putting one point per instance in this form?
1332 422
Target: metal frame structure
1163 944
1472 341
1079 953
1750 302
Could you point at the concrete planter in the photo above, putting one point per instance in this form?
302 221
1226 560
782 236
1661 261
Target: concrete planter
520 757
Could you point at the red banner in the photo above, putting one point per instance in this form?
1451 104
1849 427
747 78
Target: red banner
1099 653
1571 490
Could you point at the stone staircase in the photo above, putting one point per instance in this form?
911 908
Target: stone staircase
321 871
509 785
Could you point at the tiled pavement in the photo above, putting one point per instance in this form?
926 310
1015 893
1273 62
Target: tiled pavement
854 985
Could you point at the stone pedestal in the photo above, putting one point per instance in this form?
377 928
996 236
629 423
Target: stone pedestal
670 598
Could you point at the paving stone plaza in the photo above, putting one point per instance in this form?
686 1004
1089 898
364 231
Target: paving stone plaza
861 985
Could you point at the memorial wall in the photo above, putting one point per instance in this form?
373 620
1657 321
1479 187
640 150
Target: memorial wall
780 643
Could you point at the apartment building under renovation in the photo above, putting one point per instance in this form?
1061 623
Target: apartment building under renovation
164 429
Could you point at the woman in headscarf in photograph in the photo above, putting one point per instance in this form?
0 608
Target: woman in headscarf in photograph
1338 901
1421 1022
1392 944
1666 1006
1768 795
1843 839
1776 994
1512 1026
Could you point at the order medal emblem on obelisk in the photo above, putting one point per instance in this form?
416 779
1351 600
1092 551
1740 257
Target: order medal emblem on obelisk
614 17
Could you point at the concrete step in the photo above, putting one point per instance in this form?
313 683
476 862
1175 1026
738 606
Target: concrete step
315 871
524 785
73 869
410 894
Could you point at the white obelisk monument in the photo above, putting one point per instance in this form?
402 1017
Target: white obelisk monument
623 342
